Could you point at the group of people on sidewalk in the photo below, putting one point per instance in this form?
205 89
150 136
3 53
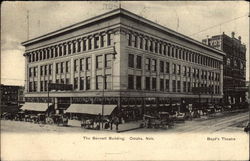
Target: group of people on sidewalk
113 120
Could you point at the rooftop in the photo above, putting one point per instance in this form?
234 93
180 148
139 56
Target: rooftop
123 12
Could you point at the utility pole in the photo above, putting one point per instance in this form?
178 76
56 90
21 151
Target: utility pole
28 28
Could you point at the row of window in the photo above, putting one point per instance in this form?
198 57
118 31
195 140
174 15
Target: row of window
72 46
151 84
84 83
79 65
151 65
167 49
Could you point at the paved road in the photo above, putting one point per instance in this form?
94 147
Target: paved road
221 123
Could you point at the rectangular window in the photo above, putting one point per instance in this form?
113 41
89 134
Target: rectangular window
34 86
76 83
96 42
84 45
41 70
169 51
45 85
62 67
67 66
57 81
108 60
107 83
130 82
147 82
161 66
81 83
90 43
184 86
160 48
156 47
138 82
141 42
193 71
167 85
82 64
153 83
184 71
35 71
178 86
154 65
129 40
146 44
167 67
57 68
135 44
99 63
78 46
174 69
74 47
76 66
64 49
151 46
131 60
41 86
88 83
138 62
189 71
60 50
189 87
174 85
30 72
162 84
178 69
30 87
147 64
102 40
88 63
50 69
45 69
99 82
110 39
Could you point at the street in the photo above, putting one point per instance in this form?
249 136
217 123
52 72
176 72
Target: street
219 122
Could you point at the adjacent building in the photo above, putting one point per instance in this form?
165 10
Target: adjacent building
11 95
129 61
234 66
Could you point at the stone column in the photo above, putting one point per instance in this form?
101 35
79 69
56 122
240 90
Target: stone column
54 72
71 71
170 76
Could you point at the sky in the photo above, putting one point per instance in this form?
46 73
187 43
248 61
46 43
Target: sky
194 19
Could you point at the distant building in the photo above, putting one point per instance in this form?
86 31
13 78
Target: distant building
234 66
137 63
11 95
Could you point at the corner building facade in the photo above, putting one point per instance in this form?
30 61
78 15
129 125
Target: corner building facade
130 61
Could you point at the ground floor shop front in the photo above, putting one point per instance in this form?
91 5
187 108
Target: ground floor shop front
128 107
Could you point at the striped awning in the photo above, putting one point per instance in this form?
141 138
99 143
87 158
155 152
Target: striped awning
93 109
31 106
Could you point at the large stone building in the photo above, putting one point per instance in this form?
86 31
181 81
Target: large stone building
234 66
140 65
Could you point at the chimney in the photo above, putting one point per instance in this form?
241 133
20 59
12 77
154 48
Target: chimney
233 33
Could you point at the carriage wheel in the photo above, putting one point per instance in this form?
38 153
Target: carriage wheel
49 121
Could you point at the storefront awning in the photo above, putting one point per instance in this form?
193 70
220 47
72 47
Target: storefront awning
31 106
93 109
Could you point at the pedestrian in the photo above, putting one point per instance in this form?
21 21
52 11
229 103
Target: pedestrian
111 123
116 123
